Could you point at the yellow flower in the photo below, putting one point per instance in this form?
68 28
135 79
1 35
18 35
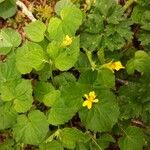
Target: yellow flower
90 99
67 41
114 66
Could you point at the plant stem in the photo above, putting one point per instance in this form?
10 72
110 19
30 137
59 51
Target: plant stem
89 56
93 139
122 129
128 4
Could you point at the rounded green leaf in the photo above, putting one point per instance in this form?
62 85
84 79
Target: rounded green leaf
23 96
67 58
8 8
103 115
46 93
70 136
30 56
133 140
60 5
53 145
72 19
1 1
64 57
67 105
41 89
19 92
58 28
31 129
8 70
106 78
140 62
64 79
105 140
9 38
35 31
8 115
55 28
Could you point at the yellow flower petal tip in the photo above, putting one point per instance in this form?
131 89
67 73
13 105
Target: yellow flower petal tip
90 99
117 65
67 40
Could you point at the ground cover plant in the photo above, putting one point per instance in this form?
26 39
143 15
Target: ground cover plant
75 75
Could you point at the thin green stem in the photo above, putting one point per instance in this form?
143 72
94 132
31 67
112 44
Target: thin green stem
95 142
89 56
122 129
128 4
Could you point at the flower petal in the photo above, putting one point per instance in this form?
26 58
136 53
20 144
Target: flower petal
95 100
85 103
92 95
89 105
118 65
86 96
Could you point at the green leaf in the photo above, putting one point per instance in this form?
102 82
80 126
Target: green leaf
106 78
30 56
19 92
51 97
68 104
7 8
137 14
106 27
9 38
104 6
104 114
7 145
55 28
70 136
23 96
140 62
82 62
135 100
53 49
46 93
8 71
58 28
35 31
90 41
54 145
133 140
105 140
70 25
1 1
8 115
88 77
41 89
64 57
82 146
12 36
64 79
45 72
60 5
145 39
31 129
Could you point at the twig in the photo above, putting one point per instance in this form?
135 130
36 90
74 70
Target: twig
25 10
138 123
125 82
